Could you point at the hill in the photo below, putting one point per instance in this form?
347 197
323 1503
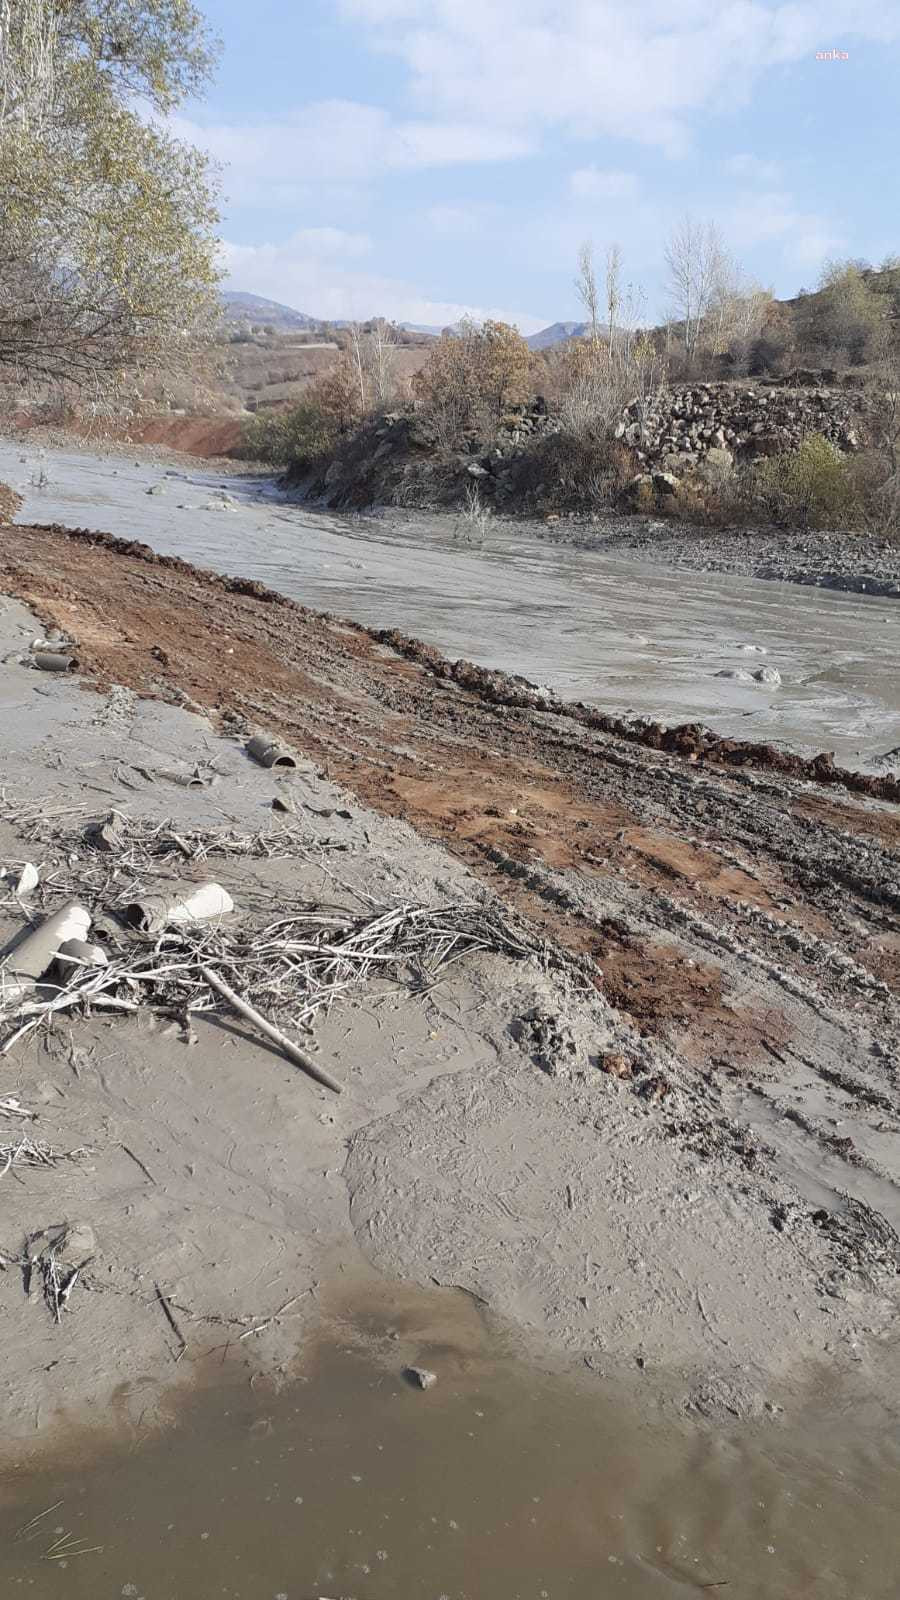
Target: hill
557 333
242 307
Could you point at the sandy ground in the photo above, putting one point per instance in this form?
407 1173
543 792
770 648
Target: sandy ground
677 1156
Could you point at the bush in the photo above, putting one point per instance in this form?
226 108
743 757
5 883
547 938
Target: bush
812 487
472 380
300 438
570 473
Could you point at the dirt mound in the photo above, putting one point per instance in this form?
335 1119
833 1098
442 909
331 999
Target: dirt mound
195 436
10 503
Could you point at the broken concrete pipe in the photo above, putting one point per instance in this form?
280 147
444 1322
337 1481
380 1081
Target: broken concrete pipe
270 752
204 903
53 661
26 962
77 953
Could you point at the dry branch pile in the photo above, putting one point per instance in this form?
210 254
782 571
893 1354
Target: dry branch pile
282 973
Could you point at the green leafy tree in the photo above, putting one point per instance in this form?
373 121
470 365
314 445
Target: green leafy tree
107 222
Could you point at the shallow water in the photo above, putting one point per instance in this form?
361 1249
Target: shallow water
603 628
499 1484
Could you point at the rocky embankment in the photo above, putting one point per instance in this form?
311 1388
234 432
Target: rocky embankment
531 466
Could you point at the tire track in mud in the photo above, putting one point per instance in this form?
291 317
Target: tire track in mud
593 827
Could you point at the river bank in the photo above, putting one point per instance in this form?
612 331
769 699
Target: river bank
802 669
855 563
696 1148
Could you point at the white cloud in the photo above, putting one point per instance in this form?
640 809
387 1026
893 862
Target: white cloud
339 141
590 183
452 222
751 169
598 67
772 216
306 272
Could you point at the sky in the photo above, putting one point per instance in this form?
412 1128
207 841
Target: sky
425 159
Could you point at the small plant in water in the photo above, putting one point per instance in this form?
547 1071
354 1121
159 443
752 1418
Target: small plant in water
476 518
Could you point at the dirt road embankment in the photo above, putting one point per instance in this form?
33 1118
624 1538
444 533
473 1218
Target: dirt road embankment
708 1180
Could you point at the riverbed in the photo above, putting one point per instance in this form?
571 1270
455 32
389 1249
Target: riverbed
610 629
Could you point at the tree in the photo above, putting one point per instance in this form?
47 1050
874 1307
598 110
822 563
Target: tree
613 291
586 288
696 263
374 349
843 317
107 222
473 378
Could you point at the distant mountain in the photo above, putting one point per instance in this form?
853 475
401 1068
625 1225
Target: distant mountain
557 333
242 307
422 327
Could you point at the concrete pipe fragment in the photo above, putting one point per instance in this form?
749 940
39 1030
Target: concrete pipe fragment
269 751
77 953
53 661
25 964
203 903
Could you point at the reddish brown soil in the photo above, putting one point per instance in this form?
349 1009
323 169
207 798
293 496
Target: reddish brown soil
562 811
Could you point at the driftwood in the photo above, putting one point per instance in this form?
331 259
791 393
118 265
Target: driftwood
290 1049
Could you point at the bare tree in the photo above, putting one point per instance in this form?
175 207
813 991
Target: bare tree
586 288
613 291
374 352
383 362
696 262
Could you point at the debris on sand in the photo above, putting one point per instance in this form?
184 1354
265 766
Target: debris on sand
27 961
59 1255
270 752
204 902
421 1377
28 1152
173 951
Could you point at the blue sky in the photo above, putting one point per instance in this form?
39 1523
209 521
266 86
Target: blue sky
423 158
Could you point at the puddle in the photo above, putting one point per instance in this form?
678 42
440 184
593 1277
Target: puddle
606 629
500 1483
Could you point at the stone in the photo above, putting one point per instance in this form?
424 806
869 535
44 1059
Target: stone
665 482
768 675
617 1065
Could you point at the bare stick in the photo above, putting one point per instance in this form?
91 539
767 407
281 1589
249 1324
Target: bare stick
290 1049
170 1317
261 1326
139 1163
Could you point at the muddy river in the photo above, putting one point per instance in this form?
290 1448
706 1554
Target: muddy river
499 1483
604 628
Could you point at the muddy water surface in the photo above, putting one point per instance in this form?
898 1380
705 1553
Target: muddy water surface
604 628
498 1484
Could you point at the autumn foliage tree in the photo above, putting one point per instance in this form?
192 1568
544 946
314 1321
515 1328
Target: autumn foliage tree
473 378
107 222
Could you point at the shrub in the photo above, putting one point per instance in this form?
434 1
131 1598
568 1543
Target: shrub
812 487
473 379
570 473
299 438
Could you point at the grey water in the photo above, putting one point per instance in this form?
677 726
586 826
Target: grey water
624 634
500 1483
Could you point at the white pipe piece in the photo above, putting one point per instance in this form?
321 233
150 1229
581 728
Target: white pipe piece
204 903
26 963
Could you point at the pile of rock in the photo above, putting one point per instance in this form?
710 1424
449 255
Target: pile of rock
690 420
